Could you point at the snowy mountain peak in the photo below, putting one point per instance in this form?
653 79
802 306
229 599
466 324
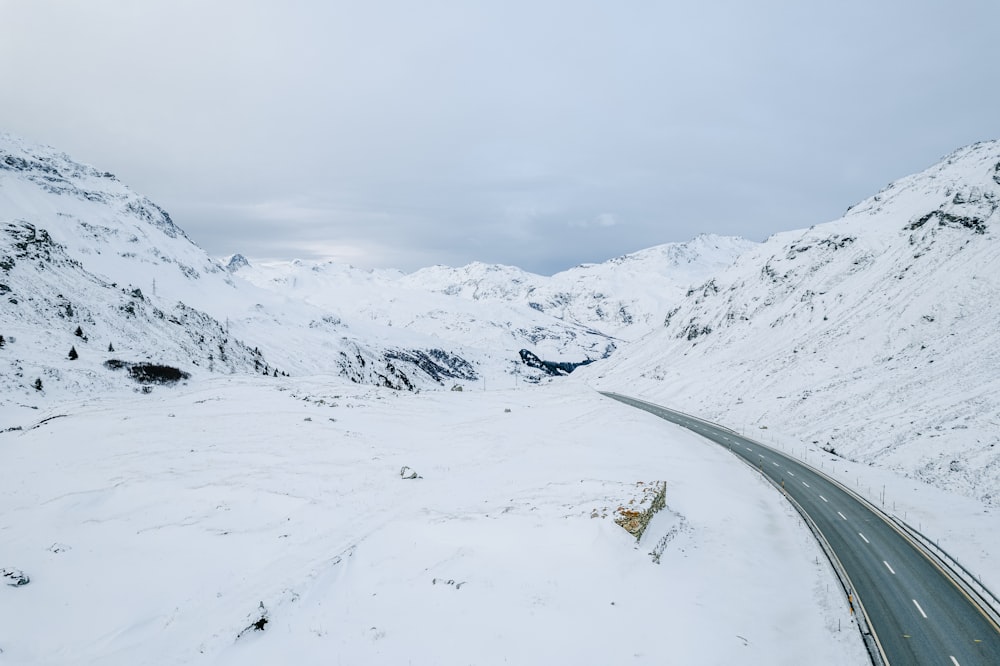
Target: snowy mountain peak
963 189
56 173
120 236
236 262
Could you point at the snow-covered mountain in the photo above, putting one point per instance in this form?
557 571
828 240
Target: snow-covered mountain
875 335
81 250
88 265
583 313
625 297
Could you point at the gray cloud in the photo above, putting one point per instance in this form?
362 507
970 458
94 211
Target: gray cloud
405 134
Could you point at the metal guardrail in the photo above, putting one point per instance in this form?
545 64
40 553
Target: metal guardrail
972 586
989 607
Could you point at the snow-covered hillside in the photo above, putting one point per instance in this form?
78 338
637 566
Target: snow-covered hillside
119 235
875 336
87 265
78 249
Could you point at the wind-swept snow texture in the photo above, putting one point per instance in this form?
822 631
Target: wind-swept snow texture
247 521
876 336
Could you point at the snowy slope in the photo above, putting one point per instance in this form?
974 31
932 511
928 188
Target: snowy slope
75 246
119 235
52 304
874 335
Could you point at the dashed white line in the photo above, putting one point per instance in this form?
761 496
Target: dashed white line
842 515
823 498
791 474
805 484
863 537
748 449
776 464
888 567
954 661
920 609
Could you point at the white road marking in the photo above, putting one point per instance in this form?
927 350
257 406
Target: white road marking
776 464
863 537
954 661
749 449
920 609
823 498
791 474
842 515
888 567
805 484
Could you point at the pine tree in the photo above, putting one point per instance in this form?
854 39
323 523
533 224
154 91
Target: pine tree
275 372
72 354
38 384
111 347
2 341
78 332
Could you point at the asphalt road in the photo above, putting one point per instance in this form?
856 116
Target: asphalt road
919 615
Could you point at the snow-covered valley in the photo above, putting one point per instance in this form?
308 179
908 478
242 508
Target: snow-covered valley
153 528
356 466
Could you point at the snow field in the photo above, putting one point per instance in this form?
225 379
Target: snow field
153 526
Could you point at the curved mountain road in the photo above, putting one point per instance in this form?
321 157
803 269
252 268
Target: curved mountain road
918 614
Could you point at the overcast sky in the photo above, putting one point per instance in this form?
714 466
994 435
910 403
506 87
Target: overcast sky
541 134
